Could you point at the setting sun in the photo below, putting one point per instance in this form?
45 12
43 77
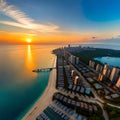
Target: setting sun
28 40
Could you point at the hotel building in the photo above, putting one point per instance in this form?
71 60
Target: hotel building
76 80
114 75
72 59
99 68
77 60
118 83
92 64
105 69
100 77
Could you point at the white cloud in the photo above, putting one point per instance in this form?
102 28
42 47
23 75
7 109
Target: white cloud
22 20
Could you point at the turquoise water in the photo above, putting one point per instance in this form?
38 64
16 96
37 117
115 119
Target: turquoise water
113 61
19 86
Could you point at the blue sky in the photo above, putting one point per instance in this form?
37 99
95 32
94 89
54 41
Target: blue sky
94 17
101 10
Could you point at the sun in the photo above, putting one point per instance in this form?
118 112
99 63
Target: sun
28 40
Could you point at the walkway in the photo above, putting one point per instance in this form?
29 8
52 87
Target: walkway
97 99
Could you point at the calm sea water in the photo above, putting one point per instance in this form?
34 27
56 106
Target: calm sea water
106 46
114 61
19 86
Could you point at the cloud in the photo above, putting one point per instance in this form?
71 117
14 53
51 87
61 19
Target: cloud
19 33
22 20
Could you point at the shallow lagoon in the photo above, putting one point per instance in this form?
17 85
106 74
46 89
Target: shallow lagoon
114 61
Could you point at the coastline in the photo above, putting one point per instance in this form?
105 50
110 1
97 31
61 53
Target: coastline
45 99
91 53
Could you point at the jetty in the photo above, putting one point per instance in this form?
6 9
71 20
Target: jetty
43 69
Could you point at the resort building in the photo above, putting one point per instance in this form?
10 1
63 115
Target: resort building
77 60
99 68
72 59
104 72
76 80
118 83
92 64
108 72
114 75
100 77
72 73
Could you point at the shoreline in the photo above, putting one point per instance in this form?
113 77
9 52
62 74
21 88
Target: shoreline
91 53
45 99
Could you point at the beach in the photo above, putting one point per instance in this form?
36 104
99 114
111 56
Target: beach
45 99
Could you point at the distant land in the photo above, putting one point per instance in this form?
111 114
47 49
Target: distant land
89 54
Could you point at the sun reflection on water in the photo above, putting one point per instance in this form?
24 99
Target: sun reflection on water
29 61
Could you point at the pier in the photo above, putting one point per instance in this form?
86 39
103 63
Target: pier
43 69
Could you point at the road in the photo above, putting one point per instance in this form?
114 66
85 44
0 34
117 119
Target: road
97 100
113 105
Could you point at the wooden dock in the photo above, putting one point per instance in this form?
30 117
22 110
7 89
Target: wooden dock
43 69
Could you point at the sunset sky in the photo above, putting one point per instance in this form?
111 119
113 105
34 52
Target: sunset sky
59 21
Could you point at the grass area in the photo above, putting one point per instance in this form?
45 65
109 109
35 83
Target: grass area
114 113
115 101
87 55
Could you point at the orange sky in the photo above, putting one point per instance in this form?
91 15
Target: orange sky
56 38
55 23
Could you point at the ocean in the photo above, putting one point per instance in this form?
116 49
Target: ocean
20 88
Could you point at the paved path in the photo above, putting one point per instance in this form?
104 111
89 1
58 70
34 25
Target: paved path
112 105
98 100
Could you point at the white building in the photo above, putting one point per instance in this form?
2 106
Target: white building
76 79
72 59
92 64
72 73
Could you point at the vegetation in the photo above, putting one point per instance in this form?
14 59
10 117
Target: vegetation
114 113
115 101
96 117
87 55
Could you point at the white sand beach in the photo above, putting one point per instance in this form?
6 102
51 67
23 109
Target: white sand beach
45 99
